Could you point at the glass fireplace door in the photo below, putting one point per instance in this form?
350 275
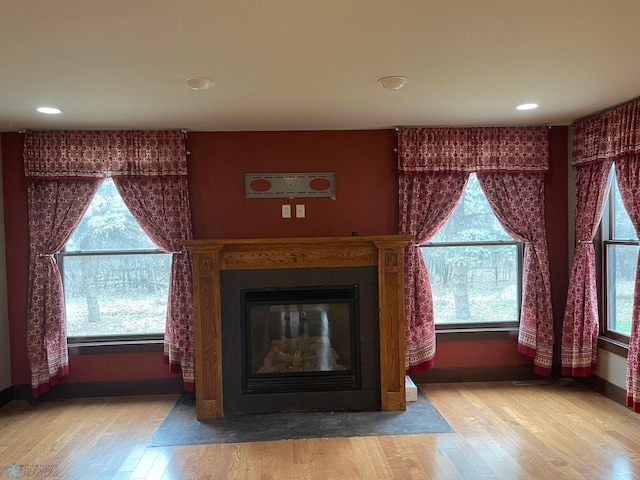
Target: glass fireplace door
300 339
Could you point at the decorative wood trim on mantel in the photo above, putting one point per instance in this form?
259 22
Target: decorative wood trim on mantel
211 256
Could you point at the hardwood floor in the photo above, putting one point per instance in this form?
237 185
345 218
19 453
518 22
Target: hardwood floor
559 430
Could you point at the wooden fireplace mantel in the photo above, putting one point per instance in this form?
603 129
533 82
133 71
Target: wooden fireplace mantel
212 256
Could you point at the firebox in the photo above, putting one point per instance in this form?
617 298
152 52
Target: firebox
300 339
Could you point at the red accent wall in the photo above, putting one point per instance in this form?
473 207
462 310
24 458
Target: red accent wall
366 201
16 234
557 217
117 368
366 183
478 353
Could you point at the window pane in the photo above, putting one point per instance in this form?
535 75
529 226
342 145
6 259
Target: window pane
472 219
473 284
622 226
621 262
116 294
108 225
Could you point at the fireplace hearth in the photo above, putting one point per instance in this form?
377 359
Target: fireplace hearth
224 269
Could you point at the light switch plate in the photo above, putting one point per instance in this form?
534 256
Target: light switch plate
286 211
300 211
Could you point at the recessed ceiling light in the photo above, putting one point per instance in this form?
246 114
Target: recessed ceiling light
49 110
527 106
393 83
199 84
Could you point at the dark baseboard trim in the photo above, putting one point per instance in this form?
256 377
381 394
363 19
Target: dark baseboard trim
102 389
175 386
475 374
603 387
6 396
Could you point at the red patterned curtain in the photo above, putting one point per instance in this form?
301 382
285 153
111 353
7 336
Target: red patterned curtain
485 149
599 140
580 325
518 201
426 202
150 164
55 209
628 176
434 163
99 154
161 206
610 135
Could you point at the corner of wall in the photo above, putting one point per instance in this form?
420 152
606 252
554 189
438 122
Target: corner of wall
5 358
571 199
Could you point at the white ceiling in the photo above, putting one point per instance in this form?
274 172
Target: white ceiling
313 65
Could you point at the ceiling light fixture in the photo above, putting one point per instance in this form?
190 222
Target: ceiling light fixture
527 106
49 110
199 84
393 82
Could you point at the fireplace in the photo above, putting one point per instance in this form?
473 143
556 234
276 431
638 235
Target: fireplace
231 377
300 339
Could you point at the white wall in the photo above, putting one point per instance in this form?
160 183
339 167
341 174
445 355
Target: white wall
5 359
612 368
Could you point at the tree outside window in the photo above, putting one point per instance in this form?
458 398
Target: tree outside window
474 266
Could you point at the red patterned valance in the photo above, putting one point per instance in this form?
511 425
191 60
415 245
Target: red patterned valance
473 149
97 154
609 135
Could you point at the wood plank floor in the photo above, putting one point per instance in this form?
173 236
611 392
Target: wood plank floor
559 430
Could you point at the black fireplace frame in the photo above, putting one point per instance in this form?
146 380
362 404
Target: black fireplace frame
367 398
308 381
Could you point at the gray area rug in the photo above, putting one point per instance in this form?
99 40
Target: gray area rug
181 427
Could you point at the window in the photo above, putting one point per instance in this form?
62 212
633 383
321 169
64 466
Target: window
474 267
115 279
620 254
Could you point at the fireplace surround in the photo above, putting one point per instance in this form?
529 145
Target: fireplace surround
310 256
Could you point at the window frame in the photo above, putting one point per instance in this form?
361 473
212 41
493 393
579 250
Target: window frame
83 340
485 326
606 233
116 343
